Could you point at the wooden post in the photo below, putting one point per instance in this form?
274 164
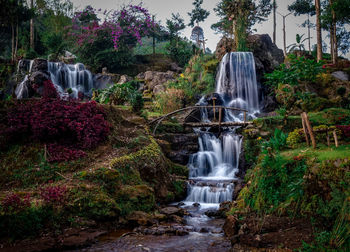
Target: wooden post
214 108
328 140
309 128
335 138
220 114
305 131
245 116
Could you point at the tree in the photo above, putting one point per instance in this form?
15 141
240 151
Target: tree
304 7
274 6
318 30
242 14
175 25
12 14
198 14
32 27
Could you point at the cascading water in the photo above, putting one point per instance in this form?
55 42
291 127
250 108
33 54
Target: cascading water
69 80
213 168
75 78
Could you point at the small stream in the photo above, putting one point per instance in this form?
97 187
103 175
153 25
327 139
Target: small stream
213 168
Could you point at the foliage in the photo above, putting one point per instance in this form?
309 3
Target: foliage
175 25
119 94
295 137
299 43
14 202
53 195
180 52
170 100
198 14
277 142
298 69
237 17
60 153
69 123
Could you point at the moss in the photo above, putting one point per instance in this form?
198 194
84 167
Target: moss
135 198
180 187
329 116
170 127
177 169
90 202
316 103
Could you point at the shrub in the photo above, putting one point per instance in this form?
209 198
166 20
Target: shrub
298 69
68 122
295 137
14 202
53 195
59 153
170 100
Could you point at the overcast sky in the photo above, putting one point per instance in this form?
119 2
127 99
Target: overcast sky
163 9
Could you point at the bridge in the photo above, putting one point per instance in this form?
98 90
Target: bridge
216 123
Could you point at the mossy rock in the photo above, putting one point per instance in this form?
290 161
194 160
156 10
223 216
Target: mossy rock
91 202
329 116
135 198
169 127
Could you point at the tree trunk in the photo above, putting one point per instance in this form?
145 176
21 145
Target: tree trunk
334 35
331 37
31 39
16 47
154 39
13 43
274 21
308 32
318 30
284 37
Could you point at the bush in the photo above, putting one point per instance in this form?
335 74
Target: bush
170 100
298 69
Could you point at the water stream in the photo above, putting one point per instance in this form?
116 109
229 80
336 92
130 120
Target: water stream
212 169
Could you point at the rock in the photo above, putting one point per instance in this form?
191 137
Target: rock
38 78
196 204
155 78
231 226
204 230
172 210
124 79
139 218
225 207
39 65
140 76
175 68
212 213
158 89
238 187
177 219
340 75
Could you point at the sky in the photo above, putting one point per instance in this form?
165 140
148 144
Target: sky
164 8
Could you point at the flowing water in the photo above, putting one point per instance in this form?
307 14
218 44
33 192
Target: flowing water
212 169
69 80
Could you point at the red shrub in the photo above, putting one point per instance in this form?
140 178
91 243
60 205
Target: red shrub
345 129
56 121
15 202
58 153
53 194
49 90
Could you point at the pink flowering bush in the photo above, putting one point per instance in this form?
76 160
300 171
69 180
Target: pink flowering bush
59 153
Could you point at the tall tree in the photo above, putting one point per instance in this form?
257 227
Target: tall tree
304 7
318 30
32 26
274 6
242 14
284 33
175 25
198 14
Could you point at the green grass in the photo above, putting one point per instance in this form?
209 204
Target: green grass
322 152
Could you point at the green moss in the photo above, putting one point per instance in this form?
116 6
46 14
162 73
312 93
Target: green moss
135 198
179 170
329 116
180 189
90 202
169 127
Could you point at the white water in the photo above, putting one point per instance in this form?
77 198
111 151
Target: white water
213 168
69 80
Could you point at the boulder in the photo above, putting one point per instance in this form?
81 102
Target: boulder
155 78
340 75
124 79
158 89
172 211
231 226
139 218
39 65
102 80
38 78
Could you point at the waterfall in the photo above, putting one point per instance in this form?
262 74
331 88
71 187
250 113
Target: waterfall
69 80
212 170
75 78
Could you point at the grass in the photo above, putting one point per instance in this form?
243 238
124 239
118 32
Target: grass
322 152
